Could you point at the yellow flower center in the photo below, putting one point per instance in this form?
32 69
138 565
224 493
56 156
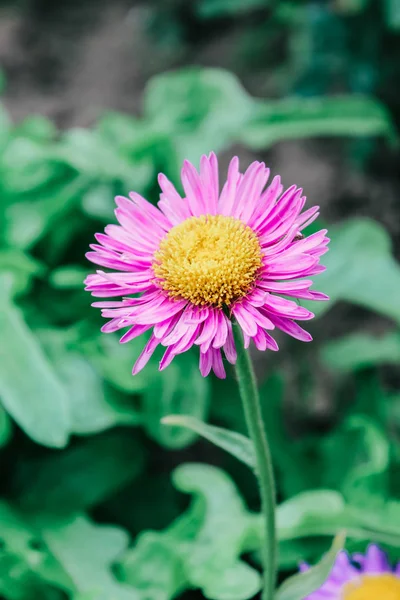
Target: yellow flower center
208 260
373 587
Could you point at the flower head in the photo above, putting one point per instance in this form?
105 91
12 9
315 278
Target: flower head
360 577
201 261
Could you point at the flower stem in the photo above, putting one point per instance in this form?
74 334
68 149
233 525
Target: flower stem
252 409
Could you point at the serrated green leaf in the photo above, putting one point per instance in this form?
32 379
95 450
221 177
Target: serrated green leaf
235 443
212 561
86 552
301 585
208 110
25 564
201 549
154 567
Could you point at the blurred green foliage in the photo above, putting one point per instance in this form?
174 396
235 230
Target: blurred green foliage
82 440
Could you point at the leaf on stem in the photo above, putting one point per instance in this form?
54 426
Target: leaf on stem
235 443
301 585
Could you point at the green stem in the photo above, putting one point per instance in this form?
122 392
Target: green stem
252 410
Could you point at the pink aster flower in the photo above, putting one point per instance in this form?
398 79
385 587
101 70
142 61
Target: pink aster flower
189 267
360 577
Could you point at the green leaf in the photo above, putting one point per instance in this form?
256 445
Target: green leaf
379 516
369 247
114 361
92 405
86 552
27 164
179 389
135 138
361 350
202 109
29 387
98 202
6 428
392 14
201 549
36 127
235 443
303 514
22 267
68 277
28 221
212 561
92 156
154 567
81 476
324 512
375 453
25 566
295 118
299 586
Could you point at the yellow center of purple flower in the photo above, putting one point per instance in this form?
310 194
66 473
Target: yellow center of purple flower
209 260
373 587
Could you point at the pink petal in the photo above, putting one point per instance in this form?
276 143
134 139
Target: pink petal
134 332
229 346
266 204
245 319
145 356
222 330
209 330
210 184
193 189
205 364
291 328
217 364
228 193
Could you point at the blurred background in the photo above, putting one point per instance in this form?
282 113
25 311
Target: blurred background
97 98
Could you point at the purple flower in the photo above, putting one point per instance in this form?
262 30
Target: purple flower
366 576
200 261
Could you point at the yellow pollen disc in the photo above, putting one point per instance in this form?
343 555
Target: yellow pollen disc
373 587
208 260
